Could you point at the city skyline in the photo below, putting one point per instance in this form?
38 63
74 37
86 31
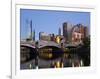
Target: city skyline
49 21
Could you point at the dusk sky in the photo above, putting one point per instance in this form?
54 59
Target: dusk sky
49 21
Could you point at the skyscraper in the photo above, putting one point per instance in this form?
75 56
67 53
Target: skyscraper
59 31
31 29
30 37
65 33
40 35
69 28
33 35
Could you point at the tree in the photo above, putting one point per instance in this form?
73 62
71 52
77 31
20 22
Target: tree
86 42
84 51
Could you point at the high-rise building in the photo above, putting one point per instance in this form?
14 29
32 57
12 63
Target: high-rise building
67 27
65 32
59 31
33 35
29 37
31 29
40 35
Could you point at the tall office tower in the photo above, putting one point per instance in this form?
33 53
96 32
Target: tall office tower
65 34
31 30
29 24
69 29
33 35
59 31
40 35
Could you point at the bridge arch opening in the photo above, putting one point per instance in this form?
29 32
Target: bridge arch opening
50 52
27 53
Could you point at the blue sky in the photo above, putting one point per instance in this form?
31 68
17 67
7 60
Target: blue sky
49 21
